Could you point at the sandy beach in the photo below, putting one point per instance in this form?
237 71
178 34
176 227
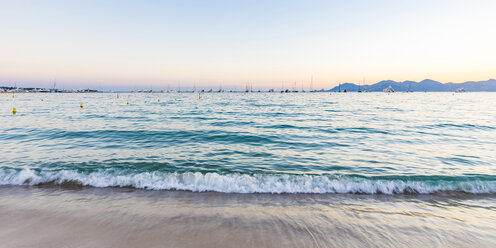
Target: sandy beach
52 216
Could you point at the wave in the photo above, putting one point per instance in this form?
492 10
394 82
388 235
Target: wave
244 183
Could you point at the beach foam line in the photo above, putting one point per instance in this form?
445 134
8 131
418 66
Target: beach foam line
243 183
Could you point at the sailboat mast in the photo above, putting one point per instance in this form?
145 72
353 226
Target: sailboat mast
311 83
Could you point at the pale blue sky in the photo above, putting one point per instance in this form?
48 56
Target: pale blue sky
207 43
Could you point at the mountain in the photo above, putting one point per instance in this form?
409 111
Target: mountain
424 85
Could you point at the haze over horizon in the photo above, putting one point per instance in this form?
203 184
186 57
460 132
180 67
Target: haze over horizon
157 44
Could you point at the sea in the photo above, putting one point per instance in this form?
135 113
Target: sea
320 169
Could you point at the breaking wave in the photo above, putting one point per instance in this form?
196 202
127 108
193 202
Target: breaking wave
245 183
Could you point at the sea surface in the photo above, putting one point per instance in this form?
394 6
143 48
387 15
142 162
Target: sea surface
248 170
369 143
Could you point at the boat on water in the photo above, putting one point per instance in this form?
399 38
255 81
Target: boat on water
389 89
460 90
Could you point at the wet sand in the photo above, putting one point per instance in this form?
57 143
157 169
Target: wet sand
53 216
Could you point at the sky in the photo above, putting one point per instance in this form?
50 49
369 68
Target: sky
160 44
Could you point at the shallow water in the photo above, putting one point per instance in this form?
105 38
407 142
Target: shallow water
260 142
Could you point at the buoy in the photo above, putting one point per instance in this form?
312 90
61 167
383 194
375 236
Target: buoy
14 111
81 105
12 94
127 102
159 100
175 99
117 95
199 96
42 100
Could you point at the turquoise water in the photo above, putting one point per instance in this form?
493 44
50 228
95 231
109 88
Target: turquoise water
402 143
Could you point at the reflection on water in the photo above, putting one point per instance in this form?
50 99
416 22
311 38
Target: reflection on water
119 217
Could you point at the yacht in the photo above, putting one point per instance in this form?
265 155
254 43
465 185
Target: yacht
389 89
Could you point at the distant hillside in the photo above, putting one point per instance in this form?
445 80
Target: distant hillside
424 85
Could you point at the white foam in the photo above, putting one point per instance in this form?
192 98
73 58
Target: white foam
241 183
